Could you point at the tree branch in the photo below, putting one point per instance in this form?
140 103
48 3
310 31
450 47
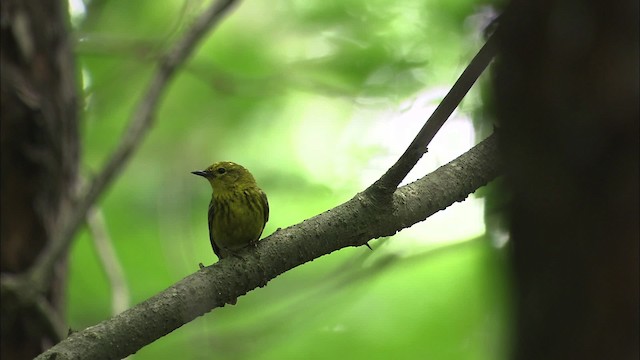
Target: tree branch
18 294
388 182
109 261
351 224
139 125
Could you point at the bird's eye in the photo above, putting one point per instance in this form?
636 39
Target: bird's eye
221 170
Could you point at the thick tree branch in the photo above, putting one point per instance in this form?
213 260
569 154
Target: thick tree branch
141 121
388 182
351 224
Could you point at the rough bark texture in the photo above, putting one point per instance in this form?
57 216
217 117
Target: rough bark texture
39 143
567 100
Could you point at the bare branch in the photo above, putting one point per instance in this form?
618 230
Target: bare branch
388 182
109 260
141 121
18 292
283 250
49 317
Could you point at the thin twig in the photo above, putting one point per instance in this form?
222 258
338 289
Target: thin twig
141 121
388 182
109 260
18 291
50 318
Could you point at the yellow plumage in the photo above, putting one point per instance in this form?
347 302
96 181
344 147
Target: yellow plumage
238 210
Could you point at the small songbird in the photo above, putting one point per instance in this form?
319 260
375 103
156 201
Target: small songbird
238 210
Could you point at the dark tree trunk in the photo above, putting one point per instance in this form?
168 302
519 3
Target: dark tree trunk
567 106
39 143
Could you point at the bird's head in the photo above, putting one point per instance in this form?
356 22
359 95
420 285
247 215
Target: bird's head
227 176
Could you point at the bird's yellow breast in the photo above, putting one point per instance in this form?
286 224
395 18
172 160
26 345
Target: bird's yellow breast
238 223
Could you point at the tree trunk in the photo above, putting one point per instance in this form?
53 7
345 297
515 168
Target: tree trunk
567 106
39 143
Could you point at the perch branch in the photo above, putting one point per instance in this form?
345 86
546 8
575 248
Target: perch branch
223 282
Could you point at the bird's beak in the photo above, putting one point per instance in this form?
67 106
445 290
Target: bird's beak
205 174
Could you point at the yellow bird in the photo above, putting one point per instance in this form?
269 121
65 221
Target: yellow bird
238 210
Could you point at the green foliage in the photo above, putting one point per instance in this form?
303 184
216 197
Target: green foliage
276 87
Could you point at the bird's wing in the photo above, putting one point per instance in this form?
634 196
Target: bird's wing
265 205
215 247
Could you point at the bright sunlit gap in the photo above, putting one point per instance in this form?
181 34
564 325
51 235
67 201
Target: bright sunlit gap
77 11
386 133
394 132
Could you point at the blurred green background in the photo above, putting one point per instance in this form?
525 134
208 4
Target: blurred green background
316 98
